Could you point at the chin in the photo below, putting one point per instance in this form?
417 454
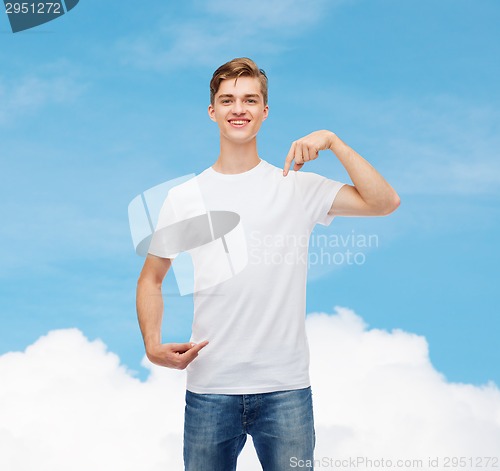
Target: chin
239 139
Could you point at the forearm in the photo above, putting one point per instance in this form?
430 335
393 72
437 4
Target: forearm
149 311
370 184
150 316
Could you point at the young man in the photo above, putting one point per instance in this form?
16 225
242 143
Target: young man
248 356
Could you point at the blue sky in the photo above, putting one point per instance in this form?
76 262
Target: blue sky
110 100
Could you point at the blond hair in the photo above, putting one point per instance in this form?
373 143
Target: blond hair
239 67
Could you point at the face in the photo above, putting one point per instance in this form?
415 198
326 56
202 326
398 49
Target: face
239 109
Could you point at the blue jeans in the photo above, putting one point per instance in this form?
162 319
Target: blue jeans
280 423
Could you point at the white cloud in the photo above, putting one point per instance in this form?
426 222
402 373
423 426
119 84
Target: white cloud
378 395
438 145
446 146
221 28
48 232
29 93
269 14
67 403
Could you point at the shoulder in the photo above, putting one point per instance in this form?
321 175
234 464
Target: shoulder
185 199
276 174
186 186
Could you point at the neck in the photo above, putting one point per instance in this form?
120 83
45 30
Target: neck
236 157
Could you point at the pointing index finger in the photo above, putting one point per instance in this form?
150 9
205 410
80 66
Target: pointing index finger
196 348
288 160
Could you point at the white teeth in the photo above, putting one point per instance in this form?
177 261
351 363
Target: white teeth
238 122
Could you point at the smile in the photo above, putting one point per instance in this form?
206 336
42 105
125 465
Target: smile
238 122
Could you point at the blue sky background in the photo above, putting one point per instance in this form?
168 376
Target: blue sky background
110 100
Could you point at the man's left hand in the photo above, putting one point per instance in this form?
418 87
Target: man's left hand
307 148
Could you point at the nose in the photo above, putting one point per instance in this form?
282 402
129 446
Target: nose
238 107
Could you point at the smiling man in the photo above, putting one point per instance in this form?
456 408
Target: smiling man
248 359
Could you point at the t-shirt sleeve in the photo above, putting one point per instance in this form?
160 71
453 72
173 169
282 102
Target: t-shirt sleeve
159 246
176 231
317 194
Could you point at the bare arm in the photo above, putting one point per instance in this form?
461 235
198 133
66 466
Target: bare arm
150 315
370 195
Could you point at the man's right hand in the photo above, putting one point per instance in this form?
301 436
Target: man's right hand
174 355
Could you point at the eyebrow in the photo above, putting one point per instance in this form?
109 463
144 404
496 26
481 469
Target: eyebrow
248 95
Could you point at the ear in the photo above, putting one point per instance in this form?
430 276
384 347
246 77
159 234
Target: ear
211 112
266 112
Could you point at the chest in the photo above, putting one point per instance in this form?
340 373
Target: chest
263 207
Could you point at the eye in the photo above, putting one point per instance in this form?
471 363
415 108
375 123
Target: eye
251 100
225 101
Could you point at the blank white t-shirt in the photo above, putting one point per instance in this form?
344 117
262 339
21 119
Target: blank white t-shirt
254 319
